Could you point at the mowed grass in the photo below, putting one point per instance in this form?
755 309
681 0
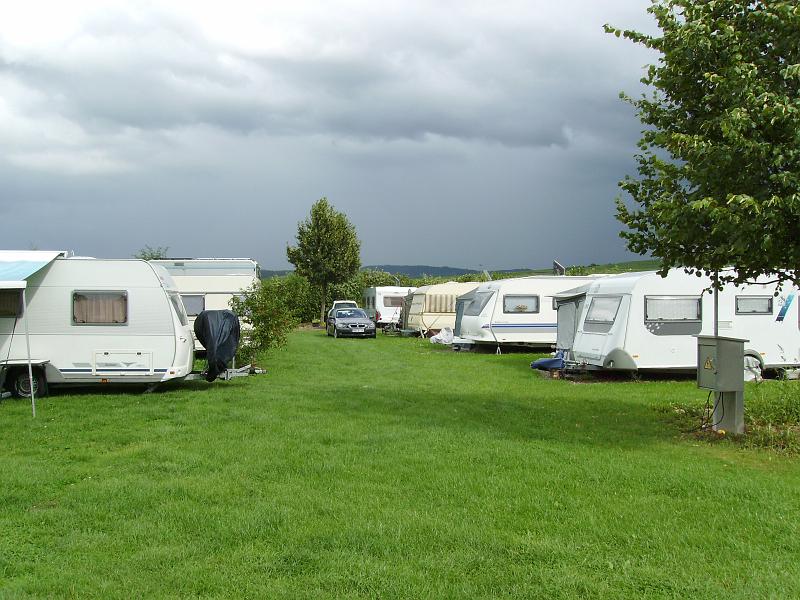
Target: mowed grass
388 468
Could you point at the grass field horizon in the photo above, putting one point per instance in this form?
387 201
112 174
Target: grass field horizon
389 468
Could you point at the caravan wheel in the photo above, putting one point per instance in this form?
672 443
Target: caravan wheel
21 385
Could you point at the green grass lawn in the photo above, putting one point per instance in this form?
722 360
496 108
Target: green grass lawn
388 468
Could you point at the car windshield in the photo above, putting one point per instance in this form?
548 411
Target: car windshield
351 313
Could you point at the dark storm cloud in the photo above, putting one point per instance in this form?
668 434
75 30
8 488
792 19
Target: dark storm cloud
500 124
513 85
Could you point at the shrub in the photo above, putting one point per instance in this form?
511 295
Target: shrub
265 308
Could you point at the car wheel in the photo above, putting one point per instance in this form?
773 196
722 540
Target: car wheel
21 384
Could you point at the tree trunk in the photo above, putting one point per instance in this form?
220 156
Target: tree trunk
322 320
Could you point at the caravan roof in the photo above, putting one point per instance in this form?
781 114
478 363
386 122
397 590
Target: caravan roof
200 267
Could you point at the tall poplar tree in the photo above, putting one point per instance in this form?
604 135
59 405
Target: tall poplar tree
327 250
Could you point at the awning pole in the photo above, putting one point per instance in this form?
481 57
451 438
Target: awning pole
28 344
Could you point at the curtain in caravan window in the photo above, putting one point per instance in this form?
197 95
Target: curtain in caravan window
393 301
520 304
10 303
753 305
440 303
672 309
99 308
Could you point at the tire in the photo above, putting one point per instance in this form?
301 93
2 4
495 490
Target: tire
20 384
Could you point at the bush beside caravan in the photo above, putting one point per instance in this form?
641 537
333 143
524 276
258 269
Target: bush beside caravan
518 311
641 321
91 321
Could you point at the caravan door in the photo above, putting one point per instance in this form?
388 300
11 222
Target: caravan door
603 328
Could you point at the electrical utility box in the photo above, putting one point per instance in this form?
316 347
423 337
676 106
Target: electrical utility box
720 368
720 363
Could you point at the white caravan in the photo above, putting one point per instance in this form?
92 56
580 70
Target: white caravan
430 308
518 311
209 283
643 321
84 320
384 304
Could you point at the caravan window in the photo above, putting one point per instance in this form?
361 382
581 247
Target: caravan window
440 303
601 314
194 303
603 309
177 304
100 308
393 301
477 304
10 303
753 305
520 304
671 308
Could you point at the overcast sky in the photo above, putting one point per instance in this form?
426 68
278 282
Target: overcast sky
471 134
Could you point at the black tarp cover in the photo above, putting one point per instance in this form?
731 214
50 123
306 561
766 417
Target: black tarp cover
218 331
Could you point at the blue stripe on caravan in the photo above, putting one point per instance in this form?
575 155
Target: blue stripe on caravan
785 307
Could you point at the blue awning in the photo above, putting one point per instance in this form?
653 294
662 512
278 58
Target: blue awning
16 266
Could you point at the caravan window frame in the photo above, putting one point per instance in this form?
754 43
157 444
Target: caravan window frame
522 312
20 304
121 293
603 321
751 313
391 297
179 307
183 300
483 298
699 300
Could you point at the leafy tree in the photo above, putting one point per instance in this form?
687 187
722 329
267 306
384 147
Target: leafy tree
719 168
266 307
327 250
152 253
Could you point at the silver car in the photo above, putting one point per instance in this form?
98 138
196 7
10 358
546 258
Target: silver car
352 322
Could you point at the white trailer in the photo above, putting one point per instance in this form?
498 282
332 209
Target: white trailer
430 308
83 320
383 304
209 283
642 321
518 311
